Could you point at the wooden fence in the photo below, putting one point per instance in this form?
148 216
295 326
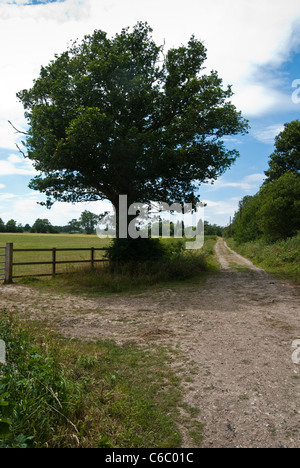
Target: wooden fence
2 263
9 264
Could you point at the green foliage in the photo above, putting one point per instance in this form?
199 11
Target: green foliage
10 226
43 226
213 229
109 116
4 422
84 394
279 213
281 257
274 212
88 221
134 250
246 221
38 397
286 157
2 226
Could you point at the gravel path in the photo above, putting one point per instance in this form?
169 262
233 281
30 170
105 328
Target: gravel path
235 333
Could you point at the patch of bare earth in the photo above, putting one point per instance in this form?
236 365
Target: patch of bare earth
234 333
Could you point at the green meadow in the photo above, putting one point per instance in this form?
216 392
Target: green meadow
50 241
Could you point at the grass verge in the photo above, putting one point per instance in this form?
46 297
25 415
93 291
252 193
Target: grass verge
281 258
59 393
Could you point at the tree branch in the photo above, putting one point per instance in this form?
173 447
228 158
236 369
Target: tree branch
17 131
22 152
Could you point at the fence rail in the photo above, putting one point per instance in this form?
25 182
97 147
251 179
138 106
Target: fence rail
9 264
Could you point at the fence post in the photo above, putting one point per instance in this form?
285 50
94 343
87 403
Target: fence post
92 256
9 251
53 262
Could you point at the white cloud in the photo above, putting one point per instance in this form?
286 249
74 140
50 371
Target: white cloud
7 196
219 212
7 135
11 166
267 134
247 184
235 141
29 38
15 159
257 99
240 36
26 209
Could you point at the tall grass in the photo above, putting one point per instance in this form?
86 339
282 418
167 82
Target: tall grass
281 258
41 400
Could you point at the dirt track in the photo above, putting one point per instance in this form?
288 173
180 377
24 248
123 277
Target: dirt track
235 333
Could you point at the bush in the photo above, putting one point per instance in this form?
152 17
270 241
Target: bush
126 251
176 264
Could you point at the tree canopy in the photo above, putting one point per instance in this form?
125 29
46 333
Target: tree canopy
286 157
118 115
279 213
246 220
274 212
89 221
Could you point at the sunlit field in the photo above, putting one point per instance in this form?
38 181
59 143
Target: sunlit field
50 241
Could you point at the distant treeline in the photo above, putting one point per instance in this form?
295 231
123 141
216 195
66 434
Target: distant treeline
85 224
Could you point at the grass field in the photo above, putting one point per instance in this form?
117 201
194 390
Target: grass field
50 241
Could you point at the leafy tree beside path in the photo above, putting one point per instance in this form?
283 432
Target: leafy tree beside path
118 116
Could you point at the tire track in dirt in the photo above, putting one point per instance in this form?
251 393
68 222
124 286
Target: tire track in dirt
234 332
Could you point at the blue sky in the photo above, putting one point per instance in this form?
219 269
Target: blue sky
254 45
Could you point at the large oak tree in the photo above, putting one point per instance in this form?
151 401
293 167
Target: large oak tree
119 115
